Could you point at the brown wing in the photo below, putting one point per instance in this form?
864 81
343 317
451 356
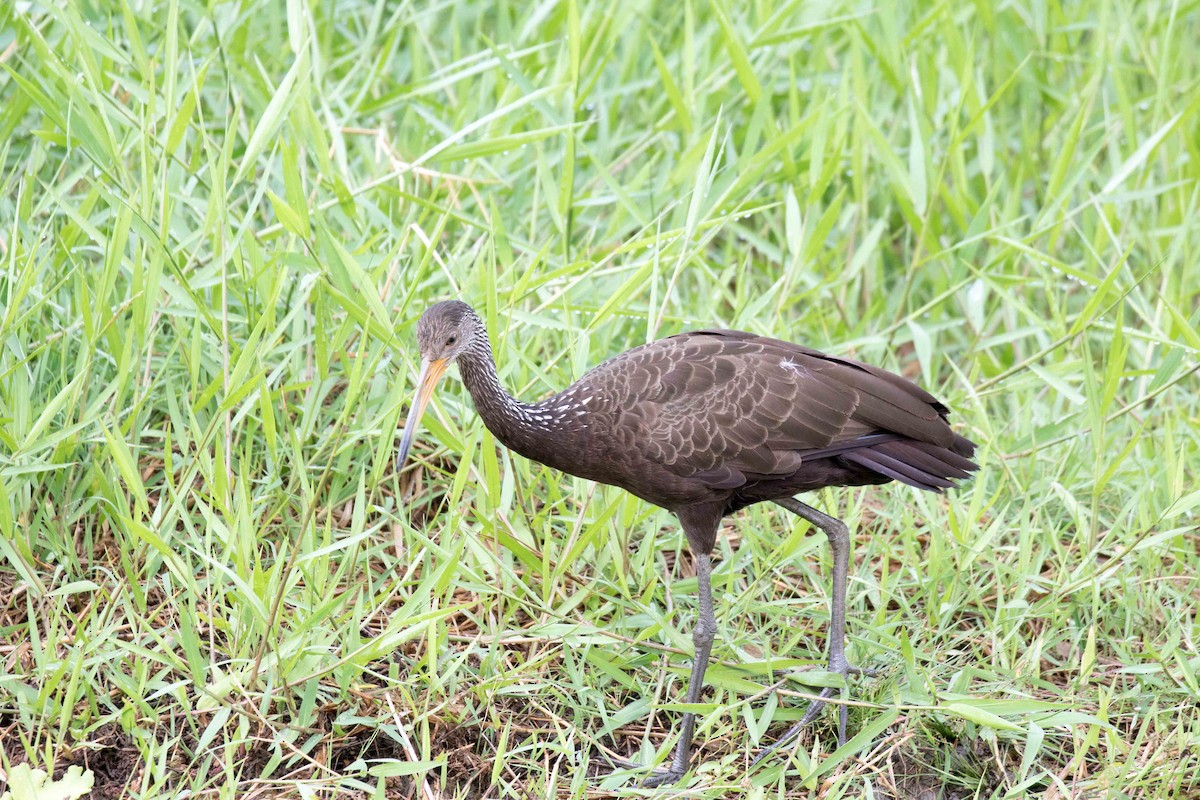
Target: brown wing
725 407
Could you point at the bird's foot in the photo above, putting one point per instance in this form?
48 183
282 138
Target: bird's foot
663 777
814 708
658 777
851 669
848 669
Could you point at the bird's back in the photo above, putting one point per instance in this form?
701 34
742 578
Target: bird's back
728 416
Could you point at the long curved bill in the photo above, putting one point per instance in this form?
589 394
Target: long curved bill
431 372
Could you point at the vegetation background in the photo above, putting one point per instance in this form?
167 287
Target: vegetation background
219 221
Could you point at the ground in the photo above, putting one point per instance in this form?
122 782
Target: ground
219 223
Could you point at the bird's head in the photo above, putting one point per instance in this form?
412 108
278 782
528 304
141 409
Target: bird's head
445 331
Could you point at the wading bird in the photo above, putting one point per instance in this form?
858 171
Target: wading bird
706 423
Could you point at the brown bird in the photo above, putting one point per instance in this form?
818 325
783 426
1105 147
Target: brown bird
706 423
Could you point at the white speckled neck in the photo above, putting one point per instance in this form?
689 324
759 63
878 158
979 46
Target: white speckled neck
506 416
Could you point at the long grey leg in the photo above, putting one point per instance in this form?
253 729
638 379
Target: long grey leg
839 545
702 638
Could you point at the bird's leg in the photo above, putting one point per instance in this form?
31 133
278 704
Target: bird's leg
839 545
702 638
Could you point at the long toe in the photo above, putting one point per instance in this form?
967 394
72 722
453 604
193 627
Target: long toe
814 708
843 713
848 669
813 711
662 777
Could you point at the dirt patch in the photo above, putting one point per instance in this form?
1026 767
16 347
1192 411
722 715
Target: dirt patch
114 768
953 770
108 752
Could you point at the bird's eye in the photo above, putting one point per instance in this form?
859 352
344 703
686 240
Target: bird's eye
452 340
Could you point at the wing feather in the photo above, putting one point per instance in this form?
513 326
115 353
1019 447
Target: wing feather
727 407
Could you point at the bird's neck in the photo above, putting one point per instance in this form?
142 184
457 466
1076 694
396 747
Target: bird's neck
519 426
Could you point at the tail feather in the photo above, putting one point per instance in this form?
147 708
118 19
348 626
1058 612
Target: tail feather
897 470
930 458
921 464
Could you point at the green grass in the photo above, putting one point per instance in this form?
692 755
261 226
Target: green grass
219 222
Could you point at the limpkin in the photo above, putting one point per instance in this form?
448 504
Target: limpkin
706 423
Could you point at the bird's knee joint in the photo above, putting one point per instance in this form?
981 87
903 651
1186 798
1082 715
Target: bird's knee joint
838 532
703 634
